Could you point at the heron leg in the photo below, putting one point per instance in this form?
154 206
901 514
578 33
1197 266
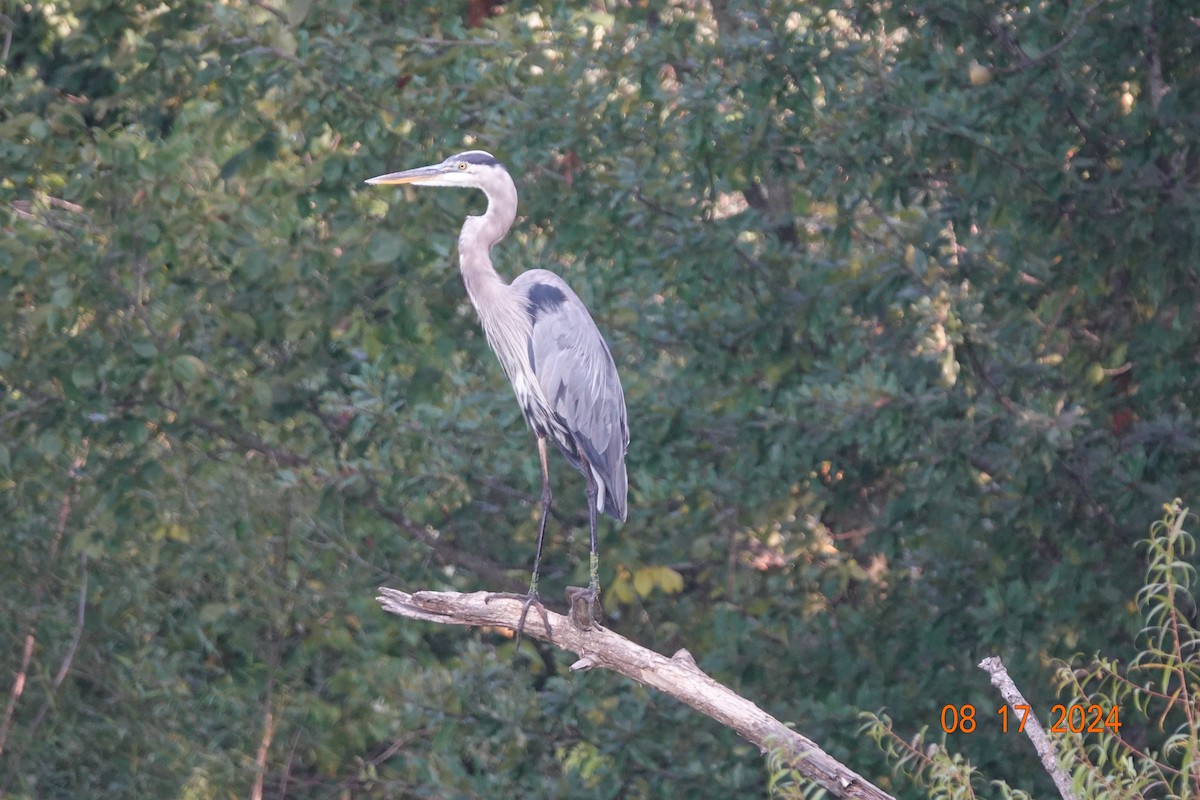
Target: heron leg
531 599
547 496
585 605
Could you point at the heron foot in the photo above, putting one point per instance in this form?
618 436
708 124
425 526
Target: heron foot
528 601
585 607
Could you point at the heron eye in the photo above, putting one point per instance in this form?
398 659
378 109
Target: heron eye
462 165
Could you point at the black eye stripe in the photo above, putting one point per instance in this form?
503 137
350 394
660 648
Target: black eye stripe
478 157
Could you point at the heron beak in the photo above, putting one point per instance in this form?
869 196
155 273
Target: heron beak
417 176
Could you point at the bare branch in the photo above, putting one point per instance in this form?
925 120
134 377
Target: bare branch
264 744
18 687
77 633
69 656
39 591
771 198
678 676
1033 729
1154 72
7 23
279 15
248 441
440 42
1024 60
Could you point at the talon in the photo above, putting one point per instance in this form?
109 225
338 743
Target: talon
527 601
585 607
532 600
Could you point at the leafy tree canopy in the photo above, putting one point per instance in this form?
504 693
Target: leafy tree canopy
903 295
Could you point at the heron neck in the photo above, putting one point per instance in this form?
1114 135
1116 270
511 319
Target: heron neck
480 233
504 317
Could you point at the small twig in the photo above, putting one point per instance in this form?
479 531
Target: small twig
1026 61
7 22
653 206
1154 73
285 777
270 9
1021 169
1033 729
1137 752
445 552
678 676
256 47
22 411
69 656
275 51
248 441
264 745
18 687
731 562
981 371
65 205
449 42
77 633
39 590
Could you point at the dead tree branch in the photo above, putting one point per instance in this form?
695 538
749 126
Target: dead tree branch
1033 729
678 676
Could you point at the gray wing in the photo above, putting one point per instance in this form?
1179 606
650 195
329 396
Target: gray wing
577 375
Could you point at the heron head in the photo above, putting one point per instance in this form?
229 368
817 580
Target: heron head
474 168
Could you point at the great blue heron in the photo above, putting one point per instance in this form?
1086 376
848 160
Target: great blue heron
558 363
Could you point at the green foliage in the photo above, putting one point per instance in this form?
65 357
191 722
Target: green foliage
1156 689
1138 733
908 350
